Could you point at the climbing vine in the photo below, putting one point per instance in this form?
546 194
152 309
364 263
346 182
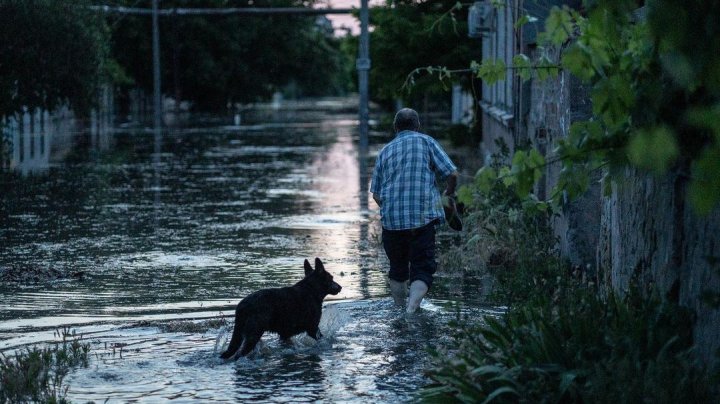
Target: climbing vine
654 80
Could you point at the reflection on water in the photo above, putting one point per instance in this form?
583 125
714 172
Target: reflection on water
230 209
371 352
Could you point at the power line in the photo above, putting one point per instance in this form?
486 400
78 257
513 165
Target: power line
223 11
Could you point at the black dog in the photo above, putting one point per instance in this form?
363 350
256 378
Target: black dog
287 311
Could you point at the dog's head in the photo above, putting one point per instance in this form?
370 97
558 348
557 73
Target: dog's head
323 277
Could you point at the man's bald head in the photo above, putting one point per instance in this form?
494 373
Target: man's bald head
406 119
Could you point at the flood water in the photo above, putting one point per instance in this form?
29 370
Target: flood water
229 209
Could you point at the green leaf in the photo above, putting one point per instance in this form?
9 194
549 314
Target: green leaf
499 392
681 69
654 149
613 99
473 240
507 177
492 70
485 178
518 159
546 68
558 25
566 380
521 64
577 61
487 369
465 195
535 158
706 118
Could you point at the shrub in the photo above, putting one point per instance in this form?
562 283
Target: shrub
36 374
573 347
560 341
505 236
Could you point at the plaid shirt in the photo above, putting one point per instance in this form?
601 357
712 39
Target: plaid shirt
404 179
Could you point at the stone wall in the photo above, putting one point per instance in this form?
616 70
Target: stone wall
554 105
650 235
644 232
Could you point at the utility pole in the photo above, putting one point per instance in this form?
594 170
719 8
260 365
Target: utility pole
363 68
157 98
157 95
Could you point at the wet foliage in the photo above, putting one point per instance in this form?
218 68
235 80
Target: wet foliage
502 234
36 374
654 93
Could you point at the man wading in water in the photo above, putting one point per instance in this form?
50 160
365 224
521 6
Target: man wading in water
403 185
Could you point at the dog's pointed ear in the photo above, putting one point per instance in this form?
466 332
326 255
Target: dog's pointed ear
308 268
319 265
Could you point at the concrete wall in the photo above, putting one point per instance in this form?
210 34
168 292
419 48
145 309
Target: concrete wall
645 231
554 104
495 131
650 235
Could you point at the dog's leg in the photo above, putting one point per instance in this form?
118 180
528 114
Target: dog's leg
237 337
314 333
253 332
235 343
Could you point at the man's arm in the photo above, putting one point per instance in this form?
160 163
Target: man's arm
377 199
451 184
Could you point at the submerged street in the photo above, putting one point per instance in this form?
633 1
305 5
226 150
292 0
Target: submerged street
162 254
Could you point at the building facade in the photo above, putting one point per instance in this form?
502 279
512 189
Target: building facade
644 231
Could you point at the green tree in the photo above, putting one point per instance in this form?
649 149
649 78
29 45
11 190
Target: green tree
52 52
409 34
214 60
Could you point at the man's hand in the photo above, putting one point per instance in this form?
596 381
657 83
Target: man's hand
451 184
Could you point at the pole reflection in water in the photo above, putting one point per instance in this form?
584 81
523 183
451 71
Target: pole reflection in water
363 196
156 162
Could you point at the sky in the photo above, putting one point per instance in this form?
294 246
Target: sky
345 20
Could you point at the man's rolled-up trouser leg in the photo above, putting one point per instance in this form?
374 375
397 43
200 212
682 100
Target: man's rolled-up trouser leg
397 248
422 254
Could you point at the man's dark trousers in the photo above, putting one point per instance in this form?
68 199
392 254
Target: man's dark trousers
411 253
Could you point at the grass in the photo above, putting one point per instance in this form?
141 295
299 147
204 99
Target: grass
36 374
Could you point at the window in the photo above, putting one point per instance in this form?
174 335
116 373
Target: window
498 44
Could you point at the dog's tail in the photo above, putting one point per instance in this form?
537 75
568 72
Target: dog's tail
237 337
